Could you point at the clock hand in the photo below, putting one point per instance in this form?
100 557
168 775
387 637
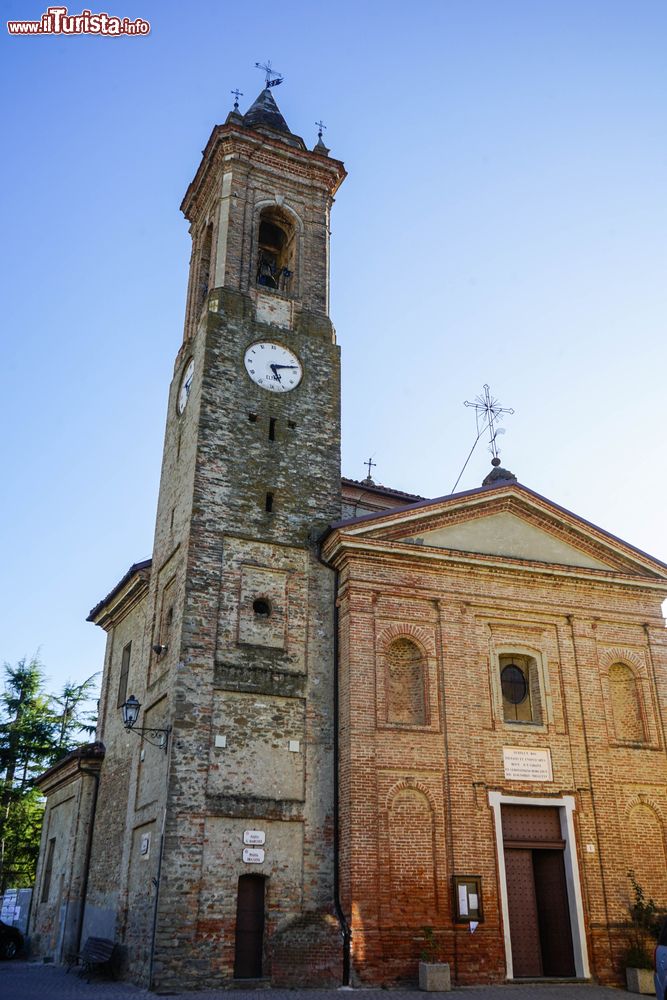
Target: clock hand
275 373
283 366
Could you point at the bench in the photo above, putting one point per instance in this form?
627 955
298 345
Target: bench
96 954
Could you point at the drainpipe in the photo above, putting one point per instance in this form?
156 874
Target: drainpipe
156 880
89 848
156 883
344 926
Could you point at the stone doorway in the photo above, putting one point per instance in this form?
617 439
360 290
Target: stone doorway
249 947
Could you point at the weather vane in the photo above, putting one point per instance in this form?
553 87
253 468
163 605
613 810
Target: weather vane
237 93
488 413
320 126
266 68
371 464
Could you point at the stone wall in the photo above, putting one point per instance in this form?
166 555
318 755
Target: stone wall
57 907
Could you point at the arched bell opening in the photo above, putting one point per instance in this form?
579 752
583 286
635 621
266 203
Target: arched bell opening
276 252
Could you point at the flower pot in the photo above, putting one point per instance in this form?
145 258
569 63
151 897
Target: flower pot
640 981
434 977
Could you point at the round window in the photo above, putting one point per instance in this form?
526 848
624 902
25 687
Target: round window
513 683
261 607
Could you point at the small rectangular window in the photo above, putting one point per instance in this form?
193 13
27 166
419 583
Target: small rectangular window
124 671
48 869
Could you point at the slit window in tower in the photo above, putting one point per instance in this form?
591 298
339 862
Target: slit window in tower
268 504
272 429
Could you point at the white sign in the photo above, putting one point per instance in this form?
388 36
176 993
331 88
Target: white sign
9 905
253 855
463 900
527 765
254 837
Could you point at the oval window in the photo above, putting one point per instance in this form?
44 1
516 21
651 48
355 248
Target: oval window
513 682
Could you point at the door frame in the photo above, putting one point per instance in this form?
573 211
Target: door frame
566 806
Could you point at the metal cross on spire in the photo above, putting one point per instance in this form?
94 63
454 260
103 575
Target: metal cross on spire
488 412
266 68
321 126
371 464
237 93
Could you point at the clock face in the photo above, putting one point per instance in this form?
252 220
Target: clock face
272 366
186 384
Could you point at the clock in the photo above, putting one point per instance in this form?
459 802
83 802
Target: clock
186 385
272 366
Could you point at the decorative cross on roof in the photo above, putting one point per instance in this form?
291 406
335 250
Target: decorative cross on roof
488 412
320 126
237 93
371 464
270 73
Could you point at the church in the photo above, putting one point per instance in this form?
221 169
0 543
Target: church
341 725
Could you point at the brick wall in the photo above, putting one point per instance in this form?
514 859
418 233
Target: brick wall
415 797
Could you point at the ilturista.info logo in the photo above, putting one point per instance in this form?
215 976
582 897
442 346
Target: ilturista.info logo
58 21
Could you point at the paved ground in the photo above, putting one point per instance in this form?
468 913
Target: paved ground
35 981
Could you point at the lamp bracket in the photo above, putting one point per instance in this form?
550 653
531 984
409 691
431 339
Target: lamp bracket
156 737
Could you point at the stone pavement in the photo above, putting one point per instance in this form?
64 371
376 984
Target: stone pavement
36 981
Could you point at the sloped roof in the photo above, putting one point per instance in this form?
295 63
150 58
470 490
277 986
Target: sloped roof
138 573
552 534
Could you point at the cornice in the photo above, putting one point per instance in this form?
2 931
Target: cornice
340 547
123 599
245 142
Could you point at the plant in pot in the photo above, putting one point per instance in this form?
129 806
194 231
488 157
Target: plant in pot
641 933
433 972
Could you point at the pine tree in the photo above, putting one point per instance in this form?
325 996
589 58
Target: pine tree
36 729
71 716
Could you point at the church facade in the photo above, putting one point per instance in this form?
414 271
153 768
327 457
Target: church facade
370 723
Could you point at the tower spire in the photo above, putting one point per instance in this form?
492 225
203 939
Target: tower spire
265 111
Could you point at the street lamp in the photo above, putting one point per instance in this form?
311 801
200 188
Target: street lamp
130 713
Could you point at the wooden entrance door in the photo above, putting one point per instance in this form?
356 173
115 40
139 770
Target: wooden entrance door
553 913
249 927
522 903
539 916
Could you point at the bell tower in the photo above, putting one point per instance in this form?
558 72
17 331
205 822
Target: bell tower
240 608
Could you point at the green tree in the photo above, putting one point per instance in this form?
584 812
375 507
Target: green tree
72 716
36 729
26 747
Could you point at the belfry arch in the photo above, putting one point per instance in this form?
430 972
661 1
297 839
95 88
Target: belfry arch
276 254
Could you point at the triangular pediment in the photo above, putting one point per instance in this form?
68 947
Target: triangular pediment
506 534
506 522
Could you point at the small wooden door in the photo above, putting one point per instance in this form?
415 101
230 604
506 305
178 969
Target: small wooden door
249 927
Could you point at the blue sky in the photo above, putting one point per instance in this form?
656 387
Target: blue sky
503 221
